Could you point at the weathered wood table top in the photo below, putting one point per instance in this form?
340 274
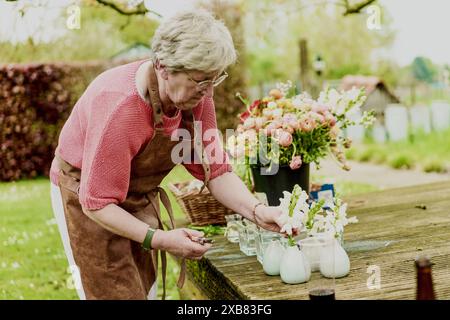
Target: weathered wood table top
394 227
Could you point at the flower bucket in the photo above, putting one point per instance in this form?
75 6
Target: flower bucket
283 180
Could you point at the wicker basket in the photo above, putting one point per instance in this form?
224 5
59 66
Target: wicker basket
202 209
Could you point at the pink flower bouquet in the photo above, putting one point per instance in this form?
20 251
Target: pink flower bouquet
295 129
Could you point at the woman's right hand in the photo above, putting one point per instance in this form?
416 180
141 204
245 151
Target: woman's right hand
178 242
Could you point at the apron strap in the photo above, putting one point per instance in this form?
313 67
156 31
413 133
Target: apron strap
155 101
166 203
198 146
157 110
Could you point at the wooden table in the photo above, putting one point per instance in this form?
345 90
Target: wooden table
394 227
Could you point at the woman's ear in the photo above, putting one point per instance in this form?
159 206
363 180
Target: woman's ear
164 73
162 70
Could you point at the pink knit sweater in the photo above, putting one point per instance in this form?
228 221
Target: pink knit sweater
108 126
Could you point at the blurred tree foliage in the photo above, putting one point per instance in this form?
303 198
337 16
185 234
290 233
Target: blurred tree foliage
227 105
274 28
103 33
424 70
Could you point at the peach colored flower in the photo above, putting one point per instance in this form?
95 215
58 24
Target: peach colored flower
291 120
308 125
317 116
334 132
330 118
288 128
270 129
318 107
259 122
267 113
295 163
277 94
284 138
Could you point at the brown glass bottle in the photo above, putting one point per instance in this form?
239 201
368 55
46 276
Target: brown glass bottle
425 289
322 294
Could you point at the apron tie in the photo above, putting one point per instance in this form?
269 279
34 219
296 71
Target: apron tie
166 203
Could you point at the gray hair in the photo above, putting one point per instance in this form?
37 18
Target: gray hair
193 40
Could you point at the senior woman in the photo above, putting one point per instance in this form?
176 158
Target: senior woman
115 149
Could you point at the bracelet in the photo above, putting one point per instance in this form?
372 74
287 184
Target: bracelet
146 245
254 210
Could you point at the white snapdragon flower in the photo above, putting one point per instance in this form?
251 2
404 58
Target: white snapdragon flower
297 102
333 97
300 211
352 220
290 223
353 94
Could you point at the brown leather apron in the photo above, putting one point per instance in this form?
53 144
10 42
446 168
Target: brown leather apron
111 266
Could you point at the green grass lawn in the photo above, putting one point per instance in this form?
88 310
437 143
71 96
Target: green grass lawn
32 260
430 153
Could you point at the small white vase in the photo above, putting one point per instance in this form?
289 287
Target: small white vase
311 247
294 266
272 258
337 259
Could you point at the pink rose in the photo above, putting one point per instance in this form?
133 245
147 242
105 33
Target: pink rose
290 119
296 163
284 138
259 122
317 116
334 132
294 125
330 118
277 123
270 129
308 125
317 107
288 128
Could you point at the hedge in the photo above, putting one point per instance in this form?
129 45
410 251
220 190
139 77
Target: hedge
35 101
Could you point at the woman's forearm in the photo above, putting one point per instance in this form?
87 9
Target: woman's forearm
117 220
231 191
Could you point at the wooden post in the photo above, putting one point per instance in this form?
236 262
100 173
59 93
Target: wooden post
304 65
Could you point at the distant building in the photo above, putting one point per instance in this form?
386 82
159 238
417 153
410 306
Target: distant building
378 94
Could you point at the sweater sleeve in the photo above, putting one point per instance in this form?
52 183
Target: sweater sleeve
212 142
116 131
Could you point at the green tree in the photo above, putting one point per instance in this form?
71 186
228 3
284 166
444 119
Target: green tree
424 70
103 33
273 31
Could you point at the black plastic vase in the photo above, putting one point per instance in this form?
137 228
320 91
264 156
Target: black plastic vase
283 179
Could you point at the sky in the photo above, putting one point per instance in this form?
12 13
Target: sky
422 27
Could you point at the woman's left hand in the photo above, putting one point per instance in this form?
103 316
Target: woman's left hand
270 219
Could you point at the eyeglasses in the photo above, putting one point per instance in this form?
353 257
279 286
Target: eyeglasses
204 84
